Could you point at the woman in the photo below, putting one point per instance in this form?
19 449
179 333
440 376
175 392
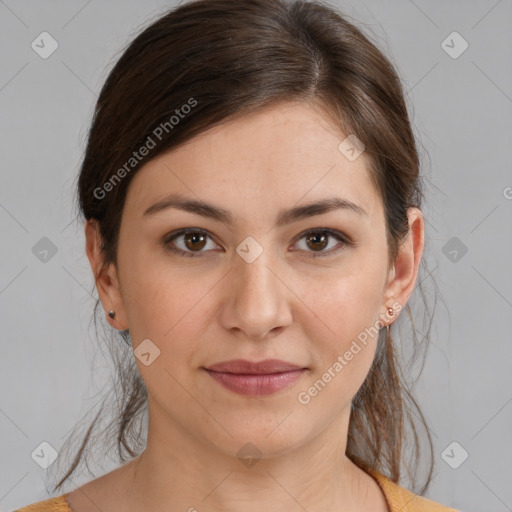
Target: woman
253 221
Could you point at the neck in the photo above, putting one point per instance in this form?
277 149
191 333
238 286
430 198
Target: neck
180 472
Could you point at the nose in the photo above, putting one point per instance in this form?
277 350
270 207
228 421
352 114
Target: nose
259 301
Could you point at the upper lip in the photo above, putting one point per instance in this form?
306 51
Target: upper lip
243 366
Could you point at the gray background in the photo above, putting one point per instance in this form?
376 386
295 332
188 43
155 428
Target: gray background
461 109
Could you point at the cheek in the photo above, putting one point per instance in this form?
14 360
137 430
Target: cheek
169 305
345 328
162 305
347 301
169 310
154 293
344 336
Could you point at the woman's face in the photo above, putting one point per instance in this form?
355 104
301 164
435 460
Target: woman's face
251 288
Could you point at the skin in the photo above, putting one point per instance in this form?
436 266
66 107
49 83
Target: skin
216 307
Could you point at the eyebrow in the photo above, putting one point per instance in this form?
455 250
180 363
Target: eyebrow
222 215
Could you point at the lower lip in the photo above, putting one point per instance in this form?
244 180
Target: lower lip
256 385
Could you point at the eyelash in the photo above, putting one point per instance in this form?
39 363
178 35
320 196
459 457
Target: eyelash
330 232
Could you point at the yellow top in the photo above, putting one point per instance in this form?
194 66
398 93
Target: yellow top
398 499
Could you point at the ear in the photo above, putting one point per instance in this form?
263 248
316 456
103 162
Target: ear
105 276
404 271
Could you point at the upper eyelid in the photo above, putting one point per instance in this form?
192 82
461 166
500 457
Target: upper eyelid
330 231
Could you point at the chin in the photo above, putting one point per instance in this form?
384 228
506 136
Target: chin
259 437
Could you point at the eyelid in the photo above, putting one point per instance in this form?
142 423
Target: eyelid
343 239
167 239
334 233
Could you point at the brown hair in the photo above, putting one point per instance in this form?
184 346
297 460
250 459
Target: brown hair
224 59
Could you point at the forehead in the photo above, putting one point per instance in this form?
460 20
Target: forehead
276 157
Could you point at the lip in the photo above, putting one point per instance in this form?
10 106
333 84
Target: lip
255 378
252 368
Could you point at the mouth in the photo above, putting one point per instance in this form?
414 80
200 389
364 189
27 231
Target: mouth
255 378
242 366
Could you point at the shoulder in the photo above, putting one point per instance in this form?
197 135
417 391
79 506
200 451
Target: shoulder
58 504
403 500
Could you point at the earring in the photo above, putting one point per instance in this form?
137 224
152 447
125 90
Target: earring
111 314
391 312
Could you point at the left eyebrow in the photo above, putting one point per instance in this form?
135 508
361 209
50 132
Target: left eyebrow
222 215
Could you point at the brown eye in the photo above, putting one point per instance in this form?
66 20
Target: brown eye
192 242
317 241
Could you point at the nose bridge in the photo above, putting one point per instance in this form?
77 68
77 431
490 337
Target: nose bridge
258 296
255 282
256 275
